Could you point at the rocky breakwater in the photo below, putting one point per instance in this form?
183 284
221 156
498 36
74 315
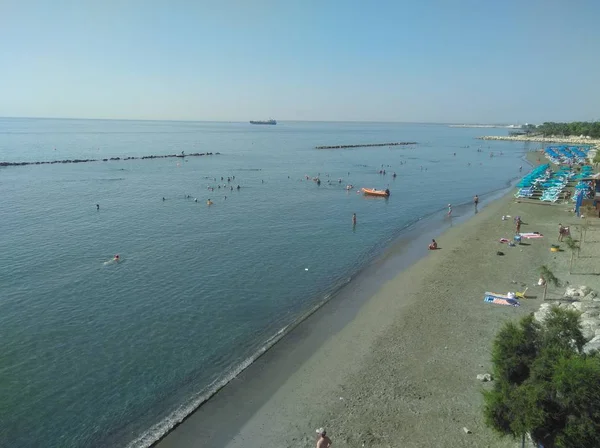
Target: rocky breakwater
366 145
541 139
52 162
586 302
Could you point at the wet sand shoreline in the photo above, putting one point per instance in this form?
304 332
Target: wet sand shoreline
216 422
403 371
224 416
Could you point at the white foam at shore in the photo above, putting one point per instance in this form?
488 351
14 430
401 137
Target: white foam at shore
160 429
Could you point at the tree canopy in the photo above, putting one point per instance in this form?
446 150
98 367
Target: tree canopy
545 385
575 128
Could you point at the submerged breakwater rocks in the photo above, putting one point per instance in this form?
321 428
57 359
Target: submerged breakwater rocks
167 156
367 145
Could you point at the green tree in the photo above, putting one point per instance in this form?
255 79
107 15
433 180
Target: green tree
588 211
529 129
573 247
575 128
548 277
544 384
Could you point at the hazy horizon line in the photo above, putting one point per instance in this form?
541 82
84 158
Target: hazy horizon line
247 121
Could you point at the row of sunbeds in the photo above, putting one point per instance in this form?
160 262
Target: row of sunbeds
567 154
545 184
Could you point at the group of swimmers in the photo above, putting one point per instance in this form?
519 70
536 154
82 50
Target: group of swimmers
211 188
317 179
208 202
383 172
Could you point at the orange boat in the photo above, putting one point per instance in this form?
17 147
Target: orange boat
373 192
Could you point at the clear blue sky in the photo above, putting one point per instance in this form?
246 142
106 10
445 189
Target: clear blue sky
428 60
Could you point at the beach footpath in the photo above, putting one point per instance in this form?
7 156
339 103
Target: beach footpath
403 372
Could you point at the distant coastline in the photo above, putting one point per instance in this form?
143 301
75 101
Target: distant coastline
541 139
509 126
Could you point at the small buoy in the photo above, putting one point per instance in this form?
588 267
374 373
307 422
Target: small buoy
306 269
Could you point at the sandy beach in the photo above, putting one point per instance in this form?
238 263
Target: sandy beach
402 372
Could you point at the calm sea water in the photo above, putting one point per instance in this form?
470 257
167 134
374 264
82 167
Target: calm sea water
97 354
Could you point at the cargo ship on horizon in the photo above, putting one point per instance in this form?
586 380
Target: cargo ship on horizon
271 121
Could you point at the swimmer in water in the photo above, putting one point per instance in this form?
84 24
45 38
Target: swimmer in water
209 202
116 258
97 206
353 219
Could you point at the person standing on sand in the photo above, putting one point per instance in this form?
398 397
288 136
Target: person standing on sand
562 232
323 441
476 202
518 229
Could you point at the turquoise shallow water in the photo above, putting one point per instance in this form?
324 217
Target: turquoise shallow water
112 355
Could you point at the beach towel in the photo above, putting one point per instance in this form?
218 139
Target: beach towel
499 301
531 235
497 295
